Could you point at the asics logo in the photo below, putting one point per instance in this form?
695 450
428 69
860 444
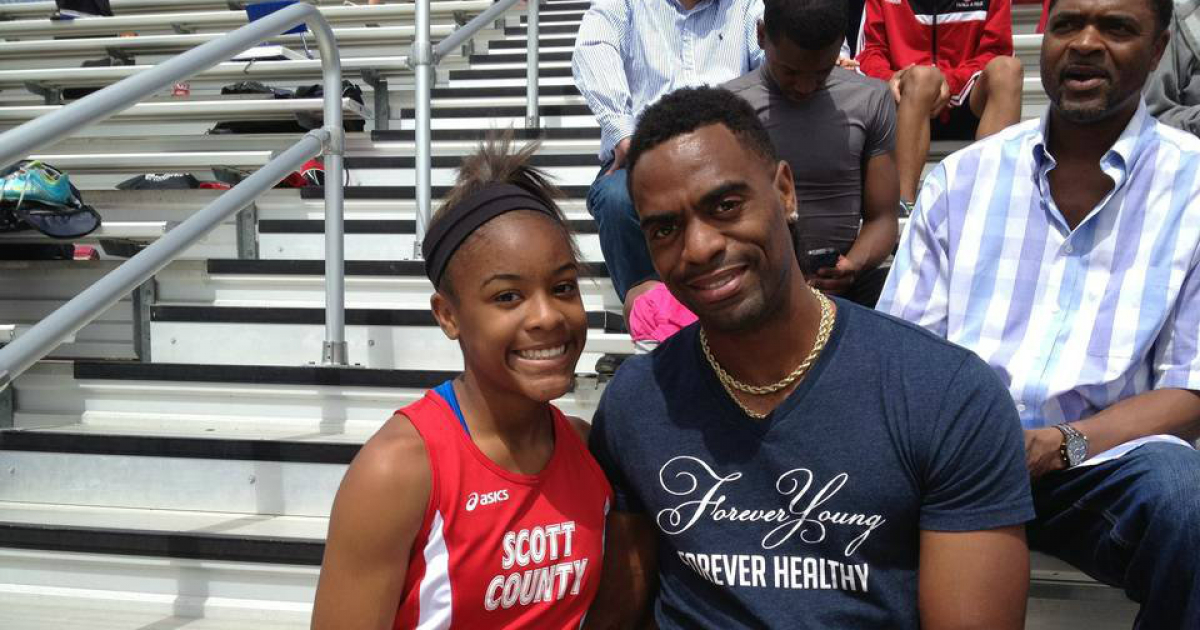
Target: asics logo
487 498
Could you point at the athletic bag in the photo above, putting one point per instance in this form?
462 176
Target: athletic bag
35 195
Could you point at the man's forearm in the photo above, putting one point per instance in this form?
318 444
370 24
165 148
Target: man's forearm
1160 412
876 241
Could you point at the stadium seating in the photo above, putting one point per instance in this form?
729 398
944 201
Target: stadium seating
172 465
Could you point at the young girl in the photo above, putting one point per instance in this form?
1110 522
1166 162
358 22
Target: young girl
478 506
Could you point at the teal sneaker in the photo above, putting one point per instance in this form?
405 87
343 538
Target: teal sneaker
35 181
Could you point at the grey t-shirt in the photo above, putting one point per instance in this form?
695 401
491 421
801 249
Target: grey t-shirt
827 139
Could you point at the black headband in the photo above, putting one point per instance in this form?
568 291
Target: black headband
457 223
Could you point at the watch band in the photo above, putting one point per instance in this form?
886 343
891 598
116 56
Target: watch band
1070 431
1070 434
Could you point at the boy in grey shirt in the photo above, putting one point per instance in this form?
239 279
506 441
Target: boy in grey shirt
837 130
1173 92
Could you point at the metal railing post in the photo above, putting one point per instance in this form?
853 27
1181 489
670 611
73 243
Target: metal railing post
422 61
532 115
334 350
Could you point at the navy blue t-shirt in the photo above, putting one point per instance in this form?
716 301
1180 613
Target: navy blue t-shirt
810 518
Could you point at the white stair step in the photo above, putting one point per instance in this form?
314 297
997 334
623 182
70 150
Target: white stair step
224 109
82 609
247 487
376 347
172 404
160 520
219 20
375 246
187 282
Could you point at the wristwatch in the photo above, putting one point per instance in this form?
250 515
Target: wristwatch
1074 449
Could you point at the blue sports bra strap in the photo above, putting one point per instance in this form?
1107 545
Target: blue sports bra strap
446 391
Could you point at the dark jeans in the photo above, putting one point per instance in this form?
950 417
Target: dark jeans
867 287
621 239
1133 523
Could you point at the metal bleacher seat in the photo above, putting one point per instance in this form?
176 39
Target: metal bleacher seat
44 8
173 43
221 21
188 109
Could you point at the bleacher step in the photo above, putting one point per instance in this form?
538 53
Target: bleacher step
22 611
377 338
250 403
231 537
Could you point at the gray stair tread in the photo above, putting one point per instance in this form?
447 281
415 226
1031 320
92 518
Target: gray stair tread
231 524
19 611
1056 614
159 427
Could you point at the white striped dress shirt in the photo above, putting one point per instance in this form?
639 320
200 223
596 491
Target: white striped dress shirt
1072 320
630 53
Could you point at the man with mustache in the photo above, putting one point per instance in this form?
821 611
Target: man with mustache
1065 253
793 460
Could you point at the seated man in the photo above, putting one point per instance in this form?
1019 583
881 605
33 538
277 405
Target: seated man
1065 253
949 61
792 461
629 54
836 129
1173 92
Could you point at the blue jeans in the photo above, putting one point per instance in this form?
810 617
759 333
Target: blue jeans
1132 523
621 239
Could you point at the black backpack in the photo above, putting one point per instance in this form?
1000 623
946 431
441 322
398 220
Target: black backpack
90 7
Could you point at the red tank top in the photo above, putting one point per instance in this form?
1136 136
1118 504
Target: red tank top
498 549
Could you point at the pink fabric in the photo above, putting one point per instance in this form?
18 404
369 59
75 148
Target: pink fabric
657 315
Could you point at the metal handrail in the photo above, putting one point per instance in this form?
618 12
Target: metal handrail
27 349
424 57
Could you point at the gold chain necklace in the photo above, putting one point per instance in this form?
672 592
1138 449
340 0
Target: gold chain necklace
730 384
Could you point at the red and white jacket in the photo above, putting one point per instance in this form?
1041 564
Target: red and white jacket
960 37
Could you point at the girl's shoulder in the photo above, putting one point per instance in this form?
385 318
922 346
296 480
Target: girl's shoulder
582 427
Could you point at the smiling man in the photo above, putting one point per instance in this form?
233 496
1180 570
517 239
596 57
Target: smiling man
1064 252
792 460
837 130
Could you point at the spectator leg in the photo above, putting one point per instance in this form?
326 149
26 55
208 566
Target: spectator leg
996 98
621 239
1133 523
919 90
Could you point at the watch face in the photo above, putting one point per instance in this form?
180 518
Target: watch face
1076 451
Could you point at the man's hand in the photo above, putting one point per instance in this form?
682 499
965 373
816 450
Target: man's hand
943 99
837 280
1042 454
894 82
619 154
847 63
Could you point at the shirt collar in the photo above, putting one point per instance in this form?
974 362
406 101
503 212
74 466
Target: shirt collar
679 5
1122 153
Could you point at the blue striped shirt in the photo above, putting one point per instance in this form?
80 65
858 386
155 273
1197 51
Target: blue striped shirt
630 53
1072 320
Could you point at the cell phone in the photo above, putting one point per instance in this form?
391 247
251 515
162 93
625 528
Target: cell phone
822 258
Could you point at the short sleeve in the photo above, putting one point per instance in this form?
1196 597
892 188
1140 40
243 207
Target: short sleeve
754 54
974 469
1177 349
604 447
918 286
881 130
